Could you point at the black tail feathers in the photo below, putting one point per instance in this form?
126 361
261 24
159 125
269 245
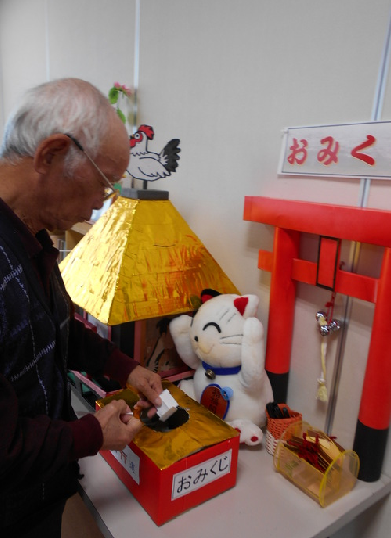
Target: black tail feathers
171 150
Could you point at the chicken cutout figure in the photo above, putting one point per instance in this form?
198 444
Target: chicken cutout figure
149 166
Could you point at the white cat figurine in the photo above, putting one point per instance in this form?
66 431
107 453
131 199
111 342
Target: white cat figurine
224 344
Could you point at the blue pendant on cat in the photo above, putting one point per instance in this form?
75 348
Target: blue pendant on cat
217 399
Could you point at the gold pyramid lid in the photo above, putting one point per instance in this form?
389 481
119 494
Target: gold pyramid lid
140 260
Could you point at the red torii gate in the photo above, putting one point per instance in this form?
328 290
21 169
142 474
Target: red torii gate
361 225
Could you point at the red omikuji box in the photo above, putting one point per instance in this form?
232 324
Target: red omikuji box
169 472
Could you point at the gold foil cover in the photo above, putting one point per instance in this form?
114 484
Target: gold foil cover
203 429
140 260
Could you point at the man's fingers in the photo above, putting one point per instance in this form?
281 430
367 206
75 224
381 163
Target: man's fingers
118 428
147 382
117 407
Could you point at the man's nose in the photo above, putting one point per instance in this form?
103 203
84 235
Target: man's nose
98 202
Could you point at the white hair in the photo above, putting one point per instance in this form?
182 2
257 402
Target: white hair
66 105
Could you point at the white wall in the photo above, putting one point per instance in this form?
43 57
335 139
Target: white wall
226 76
46 39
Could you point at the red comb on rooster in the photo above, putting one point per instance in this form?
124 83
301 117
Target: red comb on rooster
149 166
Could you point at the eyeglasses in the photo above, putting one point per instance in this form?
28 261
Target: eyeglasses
110 191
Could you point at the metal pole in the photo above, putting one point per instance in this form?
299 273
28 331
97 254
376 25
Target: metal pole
353 261
354 255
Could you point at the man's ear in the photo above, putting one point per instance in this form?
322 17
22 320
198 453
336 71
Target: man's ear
49 150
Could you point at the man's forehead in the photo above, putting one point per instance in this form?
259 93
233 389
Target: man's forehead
116 141
113 162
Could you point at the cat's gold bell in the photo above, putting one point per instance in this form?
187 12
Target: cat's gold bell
210 374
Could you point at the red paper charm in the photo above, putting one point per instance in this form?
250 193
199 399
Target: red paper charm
214 399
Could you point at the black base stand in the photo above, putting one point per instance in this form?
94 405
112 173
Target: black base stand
279 383
370 445
145 194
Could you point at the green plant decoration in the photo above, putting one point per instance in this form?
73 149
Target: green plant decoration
118 93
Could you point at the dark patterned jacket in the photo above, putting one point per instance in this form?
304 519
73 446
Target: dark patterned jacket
39 443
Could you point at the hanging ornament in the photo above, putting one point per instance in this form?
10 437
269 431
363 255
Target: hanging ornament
326 325
322 388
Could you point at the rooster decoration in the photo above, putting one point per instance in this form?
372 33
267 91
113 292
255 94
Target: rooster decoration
149 166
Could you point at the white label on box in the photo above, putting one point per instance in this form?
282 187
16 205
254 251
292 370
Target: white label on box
130 461
200 475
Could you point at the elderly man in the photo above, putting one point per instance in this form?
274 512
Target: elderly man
62 150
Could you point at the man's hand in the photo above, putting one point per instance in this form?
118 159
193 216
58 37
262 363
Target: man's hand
147 383
118 428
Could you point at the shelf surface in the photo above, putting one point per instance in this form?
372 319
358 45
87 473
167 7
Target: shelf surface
262 501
